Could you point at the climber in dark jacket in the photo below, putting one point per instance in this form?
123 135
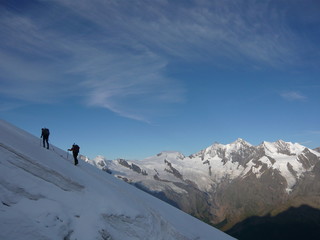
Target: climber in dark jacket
75 151
45 136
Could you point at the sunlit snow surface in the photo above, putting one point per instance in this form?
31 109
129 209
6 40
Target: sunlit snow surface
44 196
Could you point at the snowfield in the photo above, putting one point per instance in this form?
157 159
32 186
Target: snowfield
44 196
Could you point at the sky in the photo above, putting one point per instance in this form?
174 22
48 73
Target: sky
129 79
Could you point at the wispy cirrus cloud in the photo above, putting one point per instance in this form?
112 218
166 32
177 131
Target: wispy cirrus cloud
314 132
47 65
207 30
130 85
114 54
293 96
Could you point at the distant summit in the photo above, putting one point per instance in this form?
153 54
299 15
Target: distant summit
317 149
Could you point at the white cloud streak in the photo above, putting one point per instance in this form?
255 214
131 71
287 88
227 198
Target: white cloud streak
43 66
314 132
293 96
231 30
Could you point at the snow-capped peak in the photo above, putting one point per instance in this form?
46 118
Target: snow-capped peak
241 141
238 144
221 149
282 147
171 154
100 158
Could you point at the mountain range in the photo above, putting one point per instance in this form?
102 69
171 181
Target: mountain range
226 184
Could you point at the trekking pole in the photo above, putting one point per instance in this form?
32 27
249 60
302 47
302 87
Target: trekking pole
51 146
67 154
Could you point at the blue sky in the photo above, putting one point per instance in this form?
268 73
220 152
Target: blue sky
129 79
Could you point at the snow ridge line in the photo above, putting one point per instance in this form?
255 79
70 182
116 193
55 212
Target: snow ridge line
42 172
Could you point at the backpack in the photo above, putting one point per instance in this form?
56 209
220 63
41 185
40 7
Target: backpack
75 148
45 132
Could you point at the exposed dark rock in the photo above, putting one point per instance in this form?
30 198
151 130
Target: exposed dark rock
172 170
135 168
107 170
307 159
132 166
124 163
206 162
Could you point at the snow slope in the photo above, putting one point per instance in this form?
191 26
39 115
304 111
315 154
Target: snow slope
44 196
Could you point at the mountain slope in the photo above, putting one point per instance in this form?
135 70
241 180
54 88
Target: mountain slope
295 223
44 196
225 184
